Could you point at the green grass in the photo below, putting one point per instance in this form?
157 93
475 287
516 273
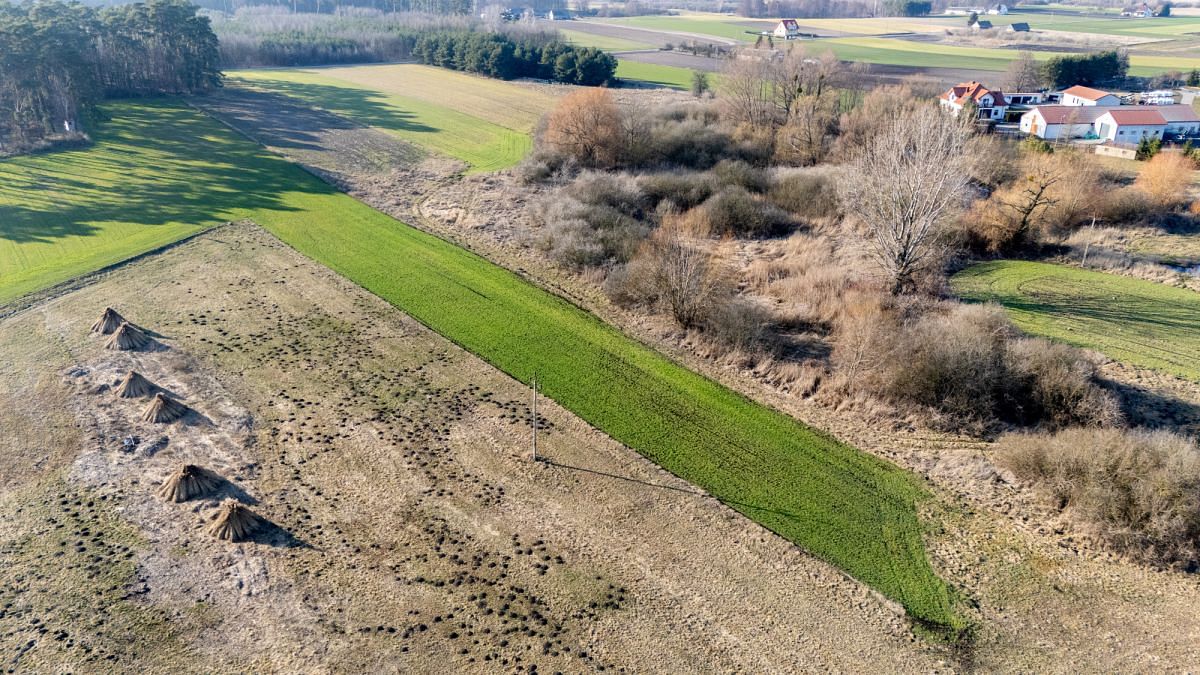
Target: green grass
1133 321
484 145
653 73
844 506
891 51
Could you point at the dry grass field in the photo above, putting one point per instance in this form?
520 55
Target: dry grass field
408 529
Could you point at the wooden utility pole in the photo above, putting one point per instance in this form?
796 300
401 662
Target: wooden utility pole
535 417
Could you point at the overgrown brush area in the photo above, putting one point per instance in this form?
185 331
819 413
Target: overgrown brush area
807 235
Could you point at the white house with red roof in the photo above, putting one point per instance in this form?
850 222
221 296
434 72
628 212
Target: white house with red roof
787 29
990 103
1080 95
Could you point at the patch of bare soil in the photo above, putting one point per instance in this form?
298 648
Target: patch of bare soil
1042 593
406 527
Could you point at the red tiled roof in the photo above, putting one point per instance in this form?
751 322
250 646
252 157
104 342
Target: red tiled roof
1139 116
1086 93
974 91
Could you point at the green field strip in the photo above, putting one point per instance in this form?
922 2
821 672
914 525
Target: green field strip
842 505
658 75
1141 323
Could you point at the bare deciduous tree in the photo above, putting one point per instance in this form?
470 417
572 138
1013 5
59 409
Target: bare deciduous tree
903 183
687 279
811 127
1024 73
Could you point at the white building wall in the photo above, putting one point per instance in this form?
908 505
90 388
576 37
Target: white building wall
1071 99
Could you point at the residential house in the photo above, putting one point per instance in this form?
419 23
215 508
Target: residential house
1130 124
787 29
1026 98
991 104
1085 96
1020 27
1061 121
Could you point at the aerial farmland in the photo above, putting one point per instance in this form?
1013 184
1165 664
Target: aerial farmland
454 341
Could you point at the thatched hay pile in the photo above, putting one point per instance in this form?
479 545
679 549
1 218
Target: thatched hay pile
234 522
163 409
135 386
187 482
108 322
127 337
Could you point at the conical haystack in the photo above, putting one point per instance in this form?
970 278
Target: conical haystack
234 522
134 386
163 409
127 337
187 482
108 322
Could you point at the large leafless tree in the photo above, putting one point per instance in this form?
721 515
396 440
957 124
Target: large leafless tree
903 184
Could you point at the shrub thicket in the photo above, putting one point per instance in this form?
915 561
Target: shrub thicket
1138 491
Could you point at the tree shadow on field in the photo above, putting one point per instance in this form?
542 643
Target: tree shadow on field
155 163
363 106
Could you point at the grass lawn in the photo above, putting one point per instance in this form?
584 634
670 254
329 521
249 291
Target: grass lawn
653 73
483 122
846 507
1141 323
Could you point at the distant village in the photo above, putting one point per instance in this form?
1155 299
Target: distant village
1115 122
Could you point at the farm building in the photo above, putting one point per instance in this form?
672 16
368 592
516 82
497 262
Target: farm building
1085 96
787 29
1130 124
965 11
981 24
998 10
1182 120
1020 27
991 104
1120 124
1060 121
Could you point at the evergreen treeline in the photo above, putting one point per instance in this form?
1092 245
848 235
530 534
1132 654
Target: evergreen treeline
499 55
1086 69
57 60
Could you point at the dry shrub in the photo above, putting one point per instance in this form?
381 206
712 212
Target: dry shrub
1050 195
1165 179
808 194
859 126
678 190
588 126
597 219
965 362
734 211
1138 491
740 174
1055 385
1124 206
